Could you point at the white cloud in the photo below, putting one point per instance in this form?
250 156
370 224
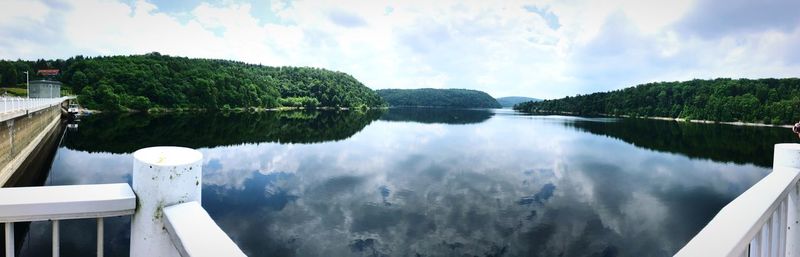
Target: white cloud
107 27
536 48
14 10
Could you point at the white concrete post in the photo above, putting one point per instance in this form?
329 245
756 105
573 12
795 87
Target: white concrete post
788 156
162 176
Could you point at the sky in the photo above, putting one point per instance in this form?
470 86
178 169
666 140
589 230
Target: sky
544 49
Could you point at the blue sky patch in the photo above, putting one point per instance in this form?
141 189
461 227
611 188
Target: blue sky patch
546 14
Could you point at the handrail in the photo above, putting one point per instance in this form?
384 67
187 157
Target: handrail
736 224
19 204
24 204
762 220
192 231
19 104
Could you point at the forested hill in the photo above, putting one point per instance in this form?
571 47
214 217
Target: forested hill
510 101
771 101
154 80
430 97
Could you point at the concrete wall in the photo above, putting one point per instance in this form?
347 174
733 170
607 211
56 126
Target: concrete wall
23 138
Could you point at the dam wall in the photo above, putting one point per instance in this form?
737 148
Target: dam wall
27 142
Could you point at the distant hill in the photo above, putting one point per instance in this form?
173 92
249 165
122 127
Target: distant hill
510 101
430 97
142 82
770 101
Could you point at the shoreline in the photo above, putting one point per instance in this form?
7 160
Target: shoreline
238 109
733 123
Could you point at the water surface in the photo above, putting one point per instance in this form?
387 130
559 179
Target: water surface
429 182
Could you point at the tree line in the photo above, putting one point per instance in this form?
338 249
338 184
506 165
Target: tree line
12 73
769 101
141 82
430 97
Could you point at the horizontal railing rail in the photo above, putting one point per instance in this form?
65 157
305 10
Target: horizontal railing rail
195 234
54 203
19 104
762 221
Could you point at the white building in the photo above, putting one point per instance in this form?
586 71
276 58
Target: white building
44 89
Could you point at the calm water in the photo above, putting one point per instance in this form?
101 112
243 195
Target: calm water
429 182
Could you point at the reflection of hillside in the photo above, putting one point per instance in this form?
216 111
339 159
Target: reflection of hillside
725 143
437 115
125 133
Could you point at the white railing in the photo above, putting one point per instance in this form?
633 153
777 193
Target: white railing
763 221
54 203
192 232
19 104
167 217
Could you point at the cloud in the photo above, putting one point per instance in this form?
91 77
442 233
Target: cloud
25 23
345 19
621 54
547 15
716 18
625 53
541 48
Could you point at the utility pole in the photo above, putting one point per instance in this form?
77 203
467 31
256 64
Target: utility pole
27 85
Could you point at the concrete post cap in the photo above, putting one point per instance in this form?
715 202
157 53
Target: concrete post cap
167 155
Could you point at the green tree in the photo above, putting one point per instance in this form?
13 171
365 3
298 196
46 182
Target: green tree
106 99
140 103
177 82
8 75
775 101
79 79
460 98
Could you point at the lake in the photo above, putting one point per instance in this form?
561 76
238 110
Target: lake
428 182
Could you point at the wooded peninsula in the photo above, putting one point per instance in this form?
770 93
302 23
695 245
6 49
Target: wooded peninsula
768 101
432 97
153 81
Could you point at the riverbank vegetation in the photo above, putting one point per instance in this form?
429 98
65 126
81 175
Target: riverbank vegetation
430 97
142 82
769 101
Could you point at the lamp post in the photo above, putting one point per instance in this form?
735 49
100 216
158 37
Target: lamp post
27 85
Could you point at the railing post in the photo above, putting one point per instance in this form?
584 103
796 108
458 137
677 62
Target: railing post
56 239
162 176
793 223
100 237
9 228
788 155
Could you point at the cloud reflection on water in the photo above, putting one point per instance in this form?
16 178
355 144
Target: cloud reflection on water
457 190
509 186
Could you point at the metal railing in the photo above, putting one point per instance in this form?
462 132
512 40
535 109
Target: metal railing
19 104
762 221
